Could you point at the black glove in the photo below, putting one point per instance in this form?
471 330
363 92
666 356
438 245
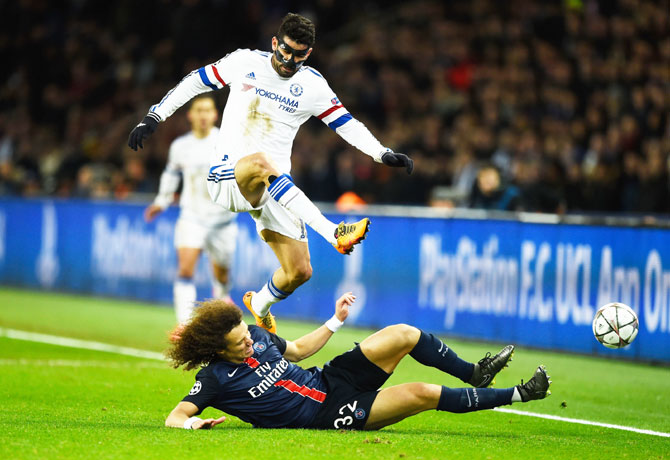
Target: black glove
398 160
142 131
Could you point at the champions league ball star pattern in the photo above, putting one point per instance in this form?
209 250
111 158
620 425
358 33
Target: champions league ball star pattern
615 325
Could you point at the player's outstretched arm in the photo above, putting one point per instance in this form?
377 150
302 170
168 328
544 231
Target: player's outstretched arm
309 344
197 82
183 416
355 133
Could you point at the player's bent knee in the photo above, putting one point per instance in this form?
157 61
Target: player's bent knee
260 165
424 392
423 395
405 334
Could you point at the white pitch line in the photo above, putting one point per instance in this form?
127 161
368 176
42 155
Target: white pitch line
99 346
77 343
583 422
82 363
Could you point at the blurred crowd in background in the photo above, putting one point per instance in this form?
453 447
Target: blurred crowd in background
543 106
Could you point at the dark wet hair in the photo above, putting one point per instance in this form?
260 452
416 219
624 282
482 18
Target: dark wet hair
297 28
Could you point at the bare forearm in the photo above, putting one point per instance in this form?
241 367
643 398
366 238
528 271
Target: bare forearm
176 420
309 344
312 342
182 412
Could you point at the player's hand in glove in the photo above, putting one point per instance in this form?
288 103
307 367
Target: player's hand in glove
398 160
142 131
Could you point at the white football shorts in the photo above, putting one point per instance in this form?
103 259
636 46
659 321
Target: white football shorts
217 241
270 215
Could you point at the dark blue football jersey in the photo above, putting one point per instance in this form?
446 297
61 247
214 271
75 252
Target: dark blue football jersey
266 390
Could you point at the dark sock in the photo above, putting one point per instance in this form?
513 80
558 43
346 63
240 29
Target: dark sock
431 351
460 400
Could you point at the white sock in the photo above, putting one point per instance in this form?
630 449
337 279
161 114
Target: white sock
287 194
220 290
516 396
266 297
184 299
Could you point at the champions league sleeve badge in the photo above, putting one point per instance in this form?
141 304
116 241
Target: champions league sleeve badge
197 386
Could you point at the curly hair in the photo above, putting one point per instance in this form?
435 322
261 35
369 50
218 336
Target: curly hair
297 28
204 337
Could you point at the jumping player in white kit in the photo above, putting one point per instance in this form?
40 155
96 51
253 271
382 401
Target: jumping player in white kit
271 96
202 224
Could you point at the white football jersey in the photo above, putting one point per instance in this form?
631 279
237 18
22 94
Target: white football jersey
189 158
265 110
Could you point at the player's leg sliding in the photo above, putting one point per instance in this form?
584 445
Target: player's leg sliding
431 351
266 321
535 388
461 400
487 368
343 236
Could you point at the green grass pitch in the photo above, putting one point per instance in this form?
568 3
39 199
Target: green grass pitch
59 402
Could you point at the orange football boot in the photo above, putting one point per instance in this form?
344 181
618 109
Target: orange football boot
349 235
267 322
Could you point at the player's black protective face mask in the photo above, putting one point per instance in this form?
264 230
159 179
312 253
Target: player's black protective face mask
289 63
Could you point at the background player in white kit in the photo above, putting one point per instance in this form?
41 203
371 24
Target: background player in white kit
202 224
271 96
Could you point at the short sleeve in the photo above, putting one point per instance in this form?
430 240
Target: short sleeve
278 341
204 391
274 338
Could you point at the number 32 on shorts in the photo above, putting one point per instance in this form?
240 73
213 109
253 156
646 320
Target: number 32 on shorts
348 419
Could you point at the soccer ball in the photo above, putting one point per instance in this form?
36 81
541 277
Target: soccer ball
615 325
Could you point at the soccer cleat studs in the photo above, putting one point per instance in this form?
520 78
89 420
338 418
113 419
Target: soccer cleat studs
537 387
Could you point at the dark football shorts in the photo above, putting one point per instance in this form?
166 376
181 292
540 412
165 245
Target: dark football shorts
353 383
